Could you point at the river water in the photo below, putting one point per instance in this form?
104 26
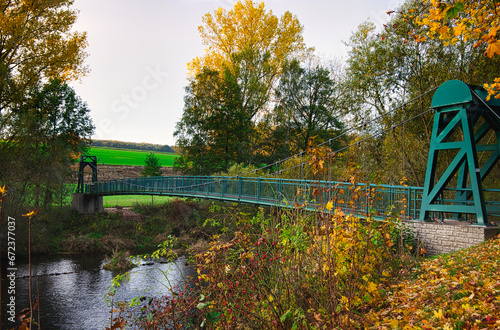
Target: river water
72 288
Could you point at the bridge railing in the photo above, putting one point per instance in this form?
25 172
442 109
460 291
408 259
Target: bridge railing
377 200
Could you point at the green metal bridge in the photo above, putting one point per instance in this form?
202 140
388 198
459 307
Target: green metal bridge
378 201
458 107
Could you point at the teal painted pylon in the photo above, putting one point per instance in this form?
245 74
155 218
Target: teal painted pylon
458 109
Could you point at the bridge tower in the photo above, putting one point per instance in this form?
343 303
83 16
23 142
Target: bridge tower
85 161
87 203
462 119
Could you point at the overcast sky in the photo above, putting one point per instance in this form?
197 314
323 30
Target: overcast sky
138 51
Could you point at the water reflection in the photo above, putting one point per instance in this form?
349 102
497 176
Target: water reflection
75 300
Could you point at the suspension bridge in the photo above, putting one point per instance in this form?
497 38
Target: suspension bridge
462 118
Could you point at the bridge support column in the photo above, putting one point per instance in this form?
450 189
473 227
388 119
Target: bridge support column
87 203
449 235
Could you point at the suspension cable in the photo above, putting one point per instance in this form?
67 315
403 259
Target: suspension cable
301 153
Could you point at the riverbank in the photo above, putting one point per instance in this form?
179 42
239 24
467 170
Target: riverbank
137 230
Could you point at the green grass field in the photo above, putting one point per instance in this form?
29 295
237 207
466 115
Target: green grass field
130 200
122 200
112 156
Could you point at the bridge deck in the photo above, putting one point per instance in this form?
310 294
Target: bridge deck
379 200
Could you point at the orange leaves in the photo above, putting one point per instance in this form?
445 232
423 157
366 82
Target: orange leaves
459 29
454 20
387 240
31 214
318 157
456 291
466 19
493 48
493 89
3 193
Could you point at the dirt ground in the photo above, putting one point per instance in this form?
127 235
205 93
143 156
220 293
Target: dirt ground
110 172
125 212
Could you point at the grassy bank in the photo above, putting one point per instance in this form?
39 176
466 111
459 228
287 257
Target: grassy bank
131 200
140 230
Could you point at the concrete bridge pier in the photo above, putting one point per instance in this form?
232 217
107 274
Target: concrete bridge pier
87 203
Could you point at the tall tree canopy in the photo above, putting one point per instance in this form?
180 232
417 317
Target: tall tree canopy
36 43
230 86
307 105
43 123
247 27
253 41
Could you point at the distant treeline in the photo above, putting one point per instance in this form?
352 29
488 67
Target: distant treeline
132 145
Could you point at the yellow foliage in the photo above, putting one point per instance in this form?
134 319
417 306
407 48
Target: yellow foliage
372 287
438 314
30 214
465 19
44 30
493 48
246 27
3 192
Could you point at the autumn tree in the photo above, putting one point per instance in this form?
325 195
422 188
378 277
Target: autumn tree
230 86
391 66
456 21
37 42
261 40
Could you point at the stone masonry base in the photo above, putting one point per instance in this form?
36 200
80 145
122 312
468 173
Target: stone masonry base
450 235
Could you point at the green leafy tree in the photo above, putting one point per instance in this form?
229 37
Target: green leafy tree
152 166
215 128
54 128
306 105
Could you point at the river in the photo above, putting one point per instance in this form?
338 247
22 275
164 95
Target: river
72 288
